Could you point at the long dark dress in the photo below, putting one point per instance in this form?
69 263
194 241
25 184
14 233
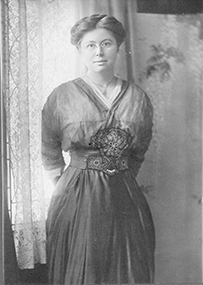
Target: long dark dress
99 226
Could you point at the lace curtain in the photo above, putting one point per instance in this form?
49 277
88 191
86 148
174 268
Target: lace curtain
38 56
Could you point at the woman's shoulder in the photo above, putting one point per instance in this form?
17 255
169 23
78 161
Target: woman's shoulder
60 94
63 89
138 89
139 95
135 89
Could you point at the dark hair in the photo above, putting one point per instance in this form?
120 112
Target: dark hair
96 21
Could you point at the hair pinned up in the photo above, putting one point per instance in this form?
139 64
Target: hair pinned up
96 21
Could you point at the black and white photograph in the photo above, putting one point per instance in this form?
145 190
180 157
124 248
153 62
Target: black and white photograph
101 142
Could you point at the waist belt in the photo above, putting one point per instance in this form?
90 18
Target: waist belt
94 160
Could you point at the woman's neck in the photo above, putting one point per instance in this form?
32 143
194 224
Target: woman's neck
102 79
105 84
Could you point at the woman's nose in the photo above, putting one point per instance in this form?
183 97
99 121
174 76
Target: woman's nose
99 51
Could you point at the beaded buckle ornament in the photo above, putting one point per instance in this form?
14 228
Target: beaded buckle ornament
111 142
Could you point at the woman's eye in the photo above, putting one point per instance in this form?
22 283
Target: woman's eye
91 46
106 44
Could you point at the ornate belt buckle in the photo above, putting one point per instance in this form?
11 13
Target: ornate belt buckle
110 171
109 165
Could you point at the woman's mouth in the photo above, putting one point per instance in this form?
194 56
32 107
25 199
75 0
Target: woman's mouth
100 61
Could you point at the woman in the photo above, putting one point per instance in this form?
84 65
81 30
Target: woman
99 226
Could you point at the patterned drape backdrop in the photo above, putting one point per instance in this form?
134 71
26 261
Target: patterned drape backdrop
171 60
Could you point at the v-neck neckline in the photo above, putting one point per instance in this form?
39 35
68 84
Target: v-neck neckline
107 101
94 97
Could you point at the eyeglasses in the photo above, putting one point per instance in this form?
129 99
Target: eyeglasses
103 45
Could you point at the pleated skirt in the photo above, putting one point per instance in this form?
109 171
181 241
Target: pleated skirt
99 230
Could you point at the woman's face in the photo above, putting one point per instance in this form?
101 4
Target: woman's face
98 49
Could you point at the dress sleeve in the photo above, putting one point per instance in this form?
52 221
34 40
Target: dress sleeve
144 135
52 158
